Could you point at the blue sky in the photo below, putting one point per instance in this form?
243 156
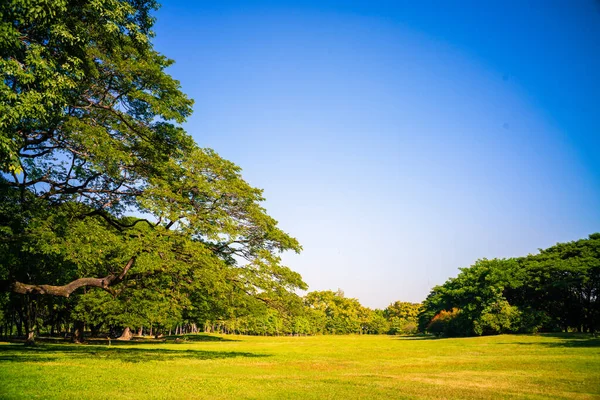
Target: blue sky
400 141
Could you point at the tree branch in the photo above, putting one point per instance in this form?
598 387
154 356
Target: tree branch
66 290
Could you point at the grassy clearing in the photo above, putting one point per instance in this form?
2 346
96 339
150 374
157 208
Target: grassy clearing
324 367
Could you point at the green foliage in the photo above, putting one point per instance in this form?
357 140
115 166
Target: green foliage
555 290
334 313
403 326
496 318
376 323
402 317
99 181
449 324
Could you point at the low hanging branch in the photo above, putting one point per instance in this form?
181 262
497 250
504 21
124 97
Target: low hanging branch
66 290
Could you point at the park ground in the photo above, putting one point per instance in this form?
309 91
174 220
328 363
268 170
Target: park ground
319 367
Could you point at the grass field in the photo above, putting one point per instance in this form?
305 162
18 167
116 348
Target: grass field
322 367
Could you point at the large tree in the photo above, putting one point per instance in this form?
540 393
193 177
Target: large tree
100 185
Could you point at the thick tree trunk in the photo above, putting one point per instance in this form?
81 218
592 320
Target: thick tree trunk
78 328
30 341
141 331
126 335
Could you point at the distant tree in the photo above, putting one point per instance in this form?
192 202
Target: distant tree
376 322
335 313
403 309
557 289
562 286
403 317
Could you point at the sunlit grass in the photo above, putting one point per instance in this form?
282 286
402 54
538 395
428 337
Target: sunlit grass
322 367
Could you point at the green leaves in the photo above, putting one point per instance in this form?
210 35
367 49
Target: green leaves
97 170
554 290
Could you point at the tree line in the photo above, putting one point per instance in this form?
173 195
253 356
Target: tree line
555 290
316 313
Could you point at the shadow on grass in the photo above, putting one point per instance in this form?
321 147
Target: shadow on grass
417 337
199 337
58 352
566 340
136 340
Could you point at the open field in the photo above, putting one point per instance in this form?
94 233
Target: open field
322 367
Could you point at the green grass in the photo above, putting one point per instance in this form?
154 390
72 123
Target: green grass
322 367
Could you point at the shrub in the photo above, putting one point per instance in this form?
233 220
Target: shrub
449 323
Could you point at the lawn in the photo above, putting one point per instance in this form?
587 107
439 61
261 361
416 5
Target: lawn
321 367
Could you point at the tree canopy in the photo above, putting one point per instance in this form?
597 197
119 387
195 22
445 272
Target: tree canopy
101 186
555 290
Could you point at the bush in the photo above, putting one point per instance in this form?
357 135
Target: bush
449 324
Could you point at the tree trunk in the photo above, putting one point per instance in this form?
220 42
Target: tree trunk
30 320
19 322
150 330
78 328
141 331
30 341
126 335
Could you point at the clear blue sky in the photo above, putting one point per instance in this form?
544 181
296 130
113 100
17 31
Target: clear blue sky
399 141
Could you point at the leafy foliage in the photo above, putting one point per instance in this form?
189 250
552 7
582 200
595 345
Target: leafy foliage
555 290
101 186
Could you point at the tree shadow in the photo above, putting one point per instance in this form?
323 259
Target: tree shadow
57 352
199 337
136 340
566 340
417 337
